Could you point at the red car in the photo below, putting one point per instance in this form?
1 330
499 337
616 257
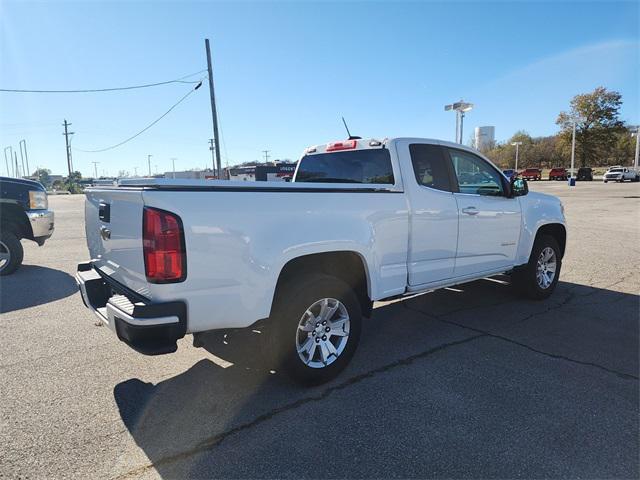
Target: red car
558 174
532 174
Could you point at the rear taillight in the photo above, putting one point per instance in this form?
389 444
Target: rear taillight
165 259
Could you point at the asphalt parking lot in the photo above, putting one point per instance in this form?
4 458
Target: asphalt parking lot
467 382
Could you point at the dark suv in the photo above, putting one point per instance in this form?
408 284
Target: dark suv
585 174
23 214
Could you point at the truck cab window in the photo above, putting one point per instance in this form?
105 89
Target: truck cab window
430 166
356 166
475 175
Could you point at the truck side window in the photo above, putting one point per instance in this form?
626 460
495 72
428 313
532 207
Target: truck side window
430 166
475 175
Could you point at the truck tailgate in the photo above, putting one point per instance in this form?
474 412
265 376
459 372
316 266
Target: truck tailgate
113 225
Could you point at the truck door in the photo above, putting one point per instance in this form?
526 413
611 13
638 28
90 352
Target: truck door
433 228
489 221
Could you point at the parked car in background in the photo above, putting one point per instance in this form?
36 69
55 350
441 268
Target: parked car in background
585 174
23 214
510 174
406 215
620 174
532 174
558 173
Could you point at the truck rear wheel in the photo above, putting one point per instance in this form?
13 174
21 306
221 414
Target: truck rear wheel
11 252
317 324
538 278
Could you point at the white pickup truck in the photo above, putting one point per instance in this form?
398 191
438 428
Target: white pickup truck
363 220
620 174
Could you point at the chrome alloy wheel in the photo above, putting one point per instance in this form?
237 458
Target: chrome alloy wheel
323 332
546 268
5 256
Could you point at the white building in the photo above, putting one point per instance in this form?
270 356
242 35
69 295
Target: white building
485 137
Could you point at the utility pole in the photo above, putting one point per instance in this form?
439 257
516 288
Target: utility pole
135 171
214 113
95 168
266 155
213 159
66 139
149 162
173 162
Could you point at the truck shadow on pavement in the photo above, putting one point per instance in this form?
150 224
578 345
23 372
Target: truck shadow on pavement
466 382
33 285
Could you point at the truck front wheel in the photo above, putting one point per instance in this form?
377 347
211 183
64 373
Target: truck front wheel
538 278
11 252
317 323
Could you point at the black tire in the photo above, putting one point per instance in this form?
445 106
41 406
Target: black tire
292 301
524 278
10 243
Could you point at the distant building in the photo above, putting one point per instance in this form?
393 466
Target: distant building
485 137
242 173
281 172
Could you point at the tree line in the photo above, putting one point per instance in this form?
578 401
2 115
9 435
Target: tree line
602 138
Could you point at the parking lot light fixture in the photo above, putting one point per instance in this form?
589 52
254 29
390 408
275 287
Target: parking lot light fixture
460 108
574 120
517 145
637 134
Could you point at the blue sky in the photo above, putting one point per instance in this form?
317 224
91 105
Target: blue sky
285 72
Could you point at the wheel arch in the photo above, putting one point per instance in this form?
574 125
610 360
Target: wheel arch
349 266
557 231
13 216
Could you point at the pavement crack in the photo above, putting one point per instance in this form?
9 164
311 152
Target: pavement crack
484 333
214 441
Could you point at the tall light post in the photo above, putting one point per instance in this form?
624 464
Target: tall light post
173 162
460 108
517 145
637 134
149 162
574 120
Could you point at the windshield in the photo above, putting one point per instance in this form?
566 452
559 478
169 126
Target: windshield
355 166
616 170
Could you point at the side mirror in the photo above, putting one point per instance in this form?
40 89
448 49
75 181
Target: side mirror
519 187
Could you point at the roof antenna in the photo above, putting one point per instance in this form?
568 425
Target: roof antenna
351 137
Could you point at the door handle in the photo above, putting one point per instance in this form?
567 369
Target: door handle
470 210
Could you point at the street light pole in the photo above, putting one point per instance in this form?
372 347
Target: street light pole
573 149
517 144
635 161
460 108
149 162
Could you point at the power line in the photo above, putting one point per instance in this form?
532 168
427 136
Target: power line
147 127
133 87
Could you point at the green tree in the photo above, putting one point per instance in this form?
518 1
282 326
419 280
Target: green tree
73 182
598 124
43 176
